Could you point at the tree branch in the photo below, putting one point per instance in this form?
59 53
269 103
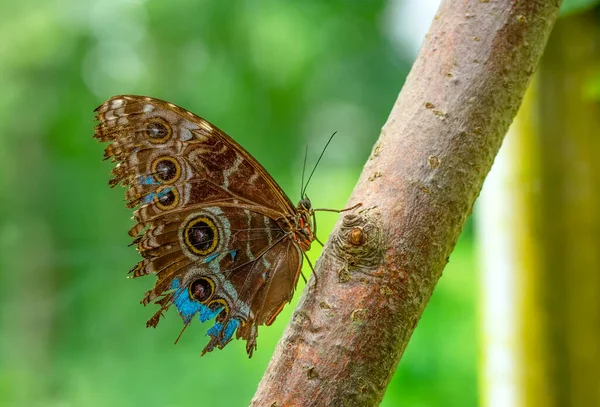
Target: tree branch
380 266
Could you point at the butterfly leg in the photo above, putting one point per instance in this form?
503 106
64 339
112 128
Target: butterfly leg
319 241
338 210
311 267
329 210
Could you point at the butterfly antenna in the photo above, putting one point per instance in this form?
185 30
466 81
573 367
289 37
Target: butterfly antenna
303 170
319 160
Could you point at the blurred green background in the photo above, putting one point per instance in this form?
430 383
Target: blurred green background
275 76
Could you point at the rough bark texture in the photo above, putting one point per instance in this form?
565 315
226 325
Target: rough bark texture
382 262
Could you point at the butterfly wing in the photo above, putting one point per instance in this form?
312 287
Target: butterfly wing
211 223
143 130
244 280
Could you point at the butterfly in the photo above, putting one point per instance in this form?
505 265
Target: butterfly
224 240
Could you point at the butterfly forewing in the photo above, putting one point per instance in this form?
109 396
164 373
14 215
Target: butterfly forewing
211 223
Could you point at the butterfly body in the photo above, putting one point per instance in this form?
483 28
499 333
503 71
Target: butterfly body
223 239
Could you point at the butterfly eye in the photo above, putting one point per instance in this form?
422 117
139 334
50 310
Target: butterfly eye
166 169
306 204
201 236
158 130
167 198
202 289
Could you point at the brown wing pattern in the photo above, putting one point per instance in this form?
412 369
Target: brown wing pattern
157 143
211 223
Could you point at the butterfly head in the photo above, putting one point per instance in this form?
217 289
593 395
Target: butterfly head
305 204
304 224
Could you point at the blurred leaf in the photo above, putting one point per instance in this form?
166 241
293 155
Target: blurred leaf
570 7
592 87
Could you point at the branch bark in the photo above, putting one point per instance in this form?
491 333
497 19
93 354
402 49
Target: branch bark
380 266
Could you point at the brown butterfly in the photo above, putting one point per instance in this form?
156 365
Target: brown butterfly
222 237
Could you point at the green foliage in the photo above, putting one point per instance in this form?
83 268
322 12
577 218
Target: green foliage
592 86
275 76
570 7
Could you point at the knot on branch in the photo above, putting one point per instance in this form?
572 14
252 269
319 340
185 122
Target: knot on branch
358 244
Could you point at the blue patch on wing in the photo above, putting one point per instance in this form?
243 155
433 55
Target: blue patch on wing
211 257
215 330
187 308
163 192
150 197
147 180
